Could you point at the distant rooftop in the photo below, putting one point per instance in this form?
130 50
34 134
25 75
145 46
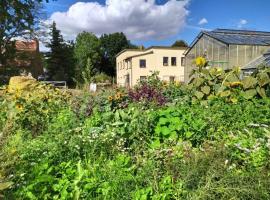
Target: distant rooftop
241 37
153 47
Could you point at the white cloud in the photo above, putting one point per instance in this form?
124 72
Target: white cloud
138 19
241 23
203 21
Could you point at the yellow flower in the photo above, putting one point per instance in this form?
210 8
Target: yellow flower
219 69
118 96
165 83
19 107
110 98
177 83
200 61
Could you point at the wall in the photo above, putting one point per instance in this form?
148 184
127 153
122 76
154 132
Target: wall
154 62
221 55
240 55
122 67
216 52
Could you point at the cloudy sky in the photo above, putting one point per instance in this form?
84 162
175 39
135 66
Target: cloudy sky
157 22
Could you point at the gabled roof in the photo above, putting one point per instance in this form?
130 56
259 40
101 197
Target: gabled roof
241 37
261 60
138 55
153 47
238 37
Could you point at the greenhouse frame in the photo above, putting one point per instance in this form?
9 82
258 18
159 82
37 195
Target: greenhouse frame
228 48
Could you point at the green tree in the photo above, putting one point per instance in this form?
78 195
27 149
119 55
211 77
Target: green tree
60 61
17 18
87 50
180 43
111 45
88 72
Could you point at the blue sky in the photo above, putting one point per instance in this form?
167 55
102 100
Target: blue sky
235 14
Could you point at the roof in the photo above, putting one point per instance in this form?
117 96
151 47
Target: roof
239 37
127 50
31 45
142 54
153 47
261 60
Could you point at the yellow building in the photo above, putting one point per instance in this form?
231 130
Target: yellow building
134 65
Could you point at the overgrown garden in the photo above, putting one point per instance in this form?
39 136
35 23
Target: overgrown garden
209 139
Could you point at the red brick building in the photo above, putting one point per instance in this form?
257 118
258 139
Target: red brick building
28 57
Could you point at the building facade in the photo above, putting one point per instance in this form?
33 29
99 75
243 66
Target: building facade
227 48
28 57
133 65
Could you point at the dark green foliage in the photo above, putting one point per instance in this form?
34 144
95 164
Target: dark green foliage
18 17
60 59
111 45
180 43
87 50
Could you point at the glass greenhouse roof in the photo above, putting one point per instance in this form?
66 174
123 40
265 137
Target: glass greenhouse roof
241 37
262 60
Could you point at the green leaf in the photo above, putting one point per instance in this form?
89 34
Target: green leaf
232 78
225 93
261 92
249 94
206 89
155 144
5 185
249 82
199 94
163 121
165 131
263 79
198 81
188 134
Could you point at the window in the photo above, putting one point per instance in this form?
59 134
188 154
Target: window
173 61
182 61
142 63
172 79
142 78
165 61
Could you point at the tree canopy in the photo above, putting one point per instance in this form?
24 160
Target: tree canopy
60 62
180 43
87 50
111 45
17 18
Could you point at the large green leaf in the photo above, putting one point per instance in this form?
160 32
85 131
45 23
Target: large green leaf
249 82
206 89
249 94
198 81
263 79
225 93
199 94
261 91
232 78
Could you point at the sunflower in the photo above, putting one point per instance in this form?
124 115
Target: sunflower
110 98
200 61
118 95
19 107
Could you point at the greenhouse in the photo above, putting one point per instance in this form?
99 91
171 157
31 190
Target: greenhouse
228 48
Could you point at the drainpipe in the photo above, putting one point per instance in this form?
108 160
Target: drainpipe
131 73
